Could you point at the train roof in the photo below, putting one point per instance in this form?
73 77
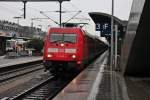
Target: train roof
64 28
98 16
73 29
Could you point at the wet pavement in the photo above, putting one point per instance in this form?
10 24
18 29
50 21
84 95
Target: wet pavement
138 88
95 83
19 60
86 85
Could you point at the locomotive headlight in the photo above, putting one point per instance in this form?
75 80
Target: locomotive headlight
61 44
73 56
49 55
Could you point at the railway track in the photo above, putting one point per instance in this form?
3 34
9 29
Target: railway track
29 91
19 71
45 90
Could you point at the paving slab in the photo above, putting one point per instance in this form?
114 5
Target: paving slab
138 88
96 82
19 60
85 85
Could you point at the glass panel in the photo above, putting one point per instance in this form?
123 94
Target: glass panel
71 38
63 37
56 37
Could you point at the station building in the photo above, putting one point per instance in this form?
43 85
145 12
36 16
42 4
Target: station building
9 30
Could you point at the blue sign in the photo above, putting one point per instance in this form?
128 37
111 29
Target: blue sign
104 28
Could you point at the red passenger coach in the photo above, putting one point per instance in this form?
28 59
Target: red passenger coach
69 49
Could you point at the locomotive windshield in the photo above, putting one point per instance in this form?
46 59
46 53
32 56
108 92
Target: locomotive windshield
63 37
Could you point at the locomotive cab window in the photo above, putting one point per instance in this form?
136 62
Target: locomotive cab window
65 37
56 37
71 38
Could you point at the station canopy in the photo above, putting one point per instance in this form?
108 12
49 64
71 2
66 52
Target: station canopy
98 16
103 23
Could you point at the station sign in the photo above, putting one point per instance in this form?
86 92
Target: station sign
104 28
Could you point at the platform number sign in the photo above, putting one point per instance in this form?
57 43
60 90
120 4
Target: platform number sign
104 28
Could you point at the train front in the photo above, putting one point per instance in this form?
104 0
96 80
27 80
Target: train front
61 51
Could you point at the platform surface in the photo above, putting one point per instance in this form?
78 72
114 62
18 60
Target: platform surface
97 82
19 60
86 85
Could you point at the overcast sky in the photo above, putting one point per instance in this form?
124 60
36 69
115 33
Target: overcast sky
8 10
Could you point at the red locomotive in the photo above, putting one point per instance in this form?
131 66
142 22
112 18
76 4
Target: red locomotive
69 49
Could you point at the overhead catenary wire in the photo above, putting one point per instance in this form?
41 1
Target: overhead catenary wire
43 13
59 11
49 17
19 11
75 7
73 16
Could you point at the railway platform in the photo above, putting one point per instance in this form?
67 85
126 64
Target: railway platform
94 83
4 62
97 82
